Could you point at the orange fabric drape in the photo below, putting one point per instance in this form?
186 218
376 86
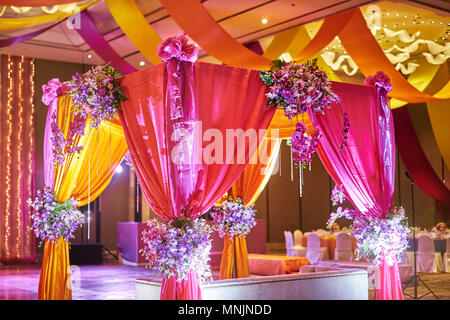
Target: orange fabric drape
327 32
282 128
234 254
56 271
196 21
227 261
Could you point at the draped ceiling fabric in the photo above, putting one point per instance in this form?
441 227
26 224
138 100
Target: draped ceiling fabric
439 113
17 159
366 167
196 21
82 176
92 36
415 159
132 22
146 122
21 23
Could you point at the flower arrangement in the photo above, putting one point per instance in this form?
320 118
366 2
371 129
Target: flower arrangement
338 195
303 145
178 47
232 218
52 219
297 88
335 227
441 226
95 92
177 247
374 235
379 80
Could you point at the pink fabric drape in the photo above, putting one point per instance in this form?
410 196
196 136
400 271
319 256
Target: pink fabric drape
388 285
414 158
203 100
366 167
17 159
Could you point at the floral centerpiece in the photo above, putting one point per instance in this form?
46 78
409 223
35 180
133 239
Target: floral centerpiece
95 92
441 226
178 247
376 235
232 218
53 219
297 89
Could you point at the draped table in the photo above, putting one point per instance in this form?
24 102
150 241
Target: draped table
268 264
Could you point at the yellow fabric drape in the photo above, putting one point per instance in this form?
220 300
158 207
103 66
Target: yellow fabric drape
132 22
439 113
21 23
93 168
54 281
256 174
82 176
420 79
280 43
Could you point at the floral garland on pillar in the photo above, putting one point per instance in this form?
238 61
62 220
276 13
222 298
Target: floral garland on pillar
95 92
374 236
232 218
178 247
53 219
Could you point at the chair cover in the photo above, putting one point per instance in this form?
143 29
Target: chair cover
298 238
314 253
289 241
343 249
428 259
447 257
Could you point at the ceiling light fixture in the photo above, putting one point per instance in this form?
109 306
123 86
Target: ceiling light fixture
89 56
141 63
264 20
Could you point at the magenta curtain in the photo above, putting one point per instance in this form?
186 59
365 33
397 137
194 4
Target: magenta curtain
366 167
17 159
414 158
204 99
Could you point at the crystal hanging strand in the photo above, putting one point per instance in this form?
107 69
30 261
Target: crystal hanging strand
300 179
97 151
292 161
89 192
279 128
110 141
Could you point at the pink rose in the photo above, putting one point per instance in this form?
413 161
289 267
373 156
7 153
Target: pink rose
179 48
50 91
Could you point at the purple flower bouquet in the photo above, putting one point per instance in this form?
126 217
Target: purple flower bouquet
52 219
178 247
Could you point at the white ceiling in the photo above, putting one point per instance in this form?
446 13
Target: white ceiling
241 18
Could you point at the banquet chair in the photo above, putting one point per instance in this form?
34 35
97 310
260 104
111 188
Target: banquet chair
299 250
289 242
315 253
447 257
428 260
343 250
